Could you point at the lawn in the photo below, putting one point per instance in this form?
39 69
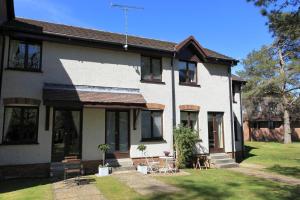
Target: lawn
279 158
25 189
206 185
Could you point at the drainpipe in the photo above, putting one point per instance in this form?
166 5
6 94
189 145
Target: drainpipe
231 112
242 122
2 63
173 98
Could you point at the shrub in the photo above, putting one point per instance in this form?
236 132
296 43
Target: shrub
142 148
185 141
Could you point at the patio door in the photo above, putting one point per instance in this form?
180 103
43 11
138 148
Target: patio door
117 133
66 138
215 132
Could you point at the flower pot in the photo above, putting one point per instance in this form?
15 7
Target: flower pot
142 169
102 171
166 153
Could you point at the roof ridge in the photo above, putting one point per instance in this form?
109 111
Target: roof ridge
98 30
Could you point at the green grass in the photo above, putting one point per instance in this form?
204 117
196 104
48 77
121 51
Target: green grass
113 189
206 185
279 158
25 189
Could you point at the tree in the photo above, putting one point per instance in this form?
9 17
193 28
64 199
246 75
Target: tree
272 72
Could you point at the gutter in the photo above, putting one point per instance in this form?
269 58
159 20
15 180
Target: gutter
231 112
173 100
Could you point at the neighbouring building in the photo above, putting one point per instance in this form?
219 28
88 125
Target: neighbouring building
67 89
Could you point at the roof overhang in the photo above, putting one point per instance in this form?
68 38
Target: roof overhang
91 96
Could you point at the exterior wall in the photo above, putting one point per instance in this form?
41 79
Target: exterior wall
266 134
211 96
236 107
67 64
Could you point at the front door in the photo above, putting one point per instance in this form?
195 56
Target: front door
117 133
66 140
215 132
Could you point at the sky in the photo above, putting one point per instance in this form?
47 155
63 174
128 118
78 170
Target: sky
231 27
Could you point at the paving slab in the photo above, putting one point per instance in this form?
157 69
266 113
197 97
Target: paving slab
70 190
145 184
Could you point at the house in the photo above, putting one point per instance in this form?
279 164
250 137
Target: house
263 120
67 89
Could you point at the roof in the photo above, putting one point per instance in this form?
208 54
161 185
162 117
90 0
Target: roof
91 95
34 26
237 78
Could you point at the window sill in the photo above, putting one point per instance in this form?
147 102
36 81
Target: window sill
190 84
11 144
24 70
154 140
153 82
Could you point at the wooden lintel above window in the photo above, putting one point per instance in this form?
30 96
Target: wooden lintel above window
20 100
189 108
155 106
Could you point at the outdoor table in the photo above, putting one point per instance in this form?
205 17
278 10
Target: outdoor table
168 160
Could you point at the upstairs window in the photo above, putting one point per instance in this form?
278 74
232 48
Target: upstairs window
20 125
24 55
151 69
151 125
187 72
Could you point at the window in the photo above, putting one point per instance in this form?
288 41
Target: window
151 125
187 72
151 69
189 119
20 125
24 55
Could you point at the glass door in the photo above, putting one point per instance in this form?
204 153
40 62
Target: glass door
216 132
117 133
66 140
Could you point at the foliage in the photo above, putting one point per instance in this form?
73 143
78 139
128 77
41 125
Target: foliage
103 148
185 140
142 148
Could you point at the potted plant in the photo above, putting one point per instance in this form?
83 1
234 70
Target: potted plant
167 153
142 168
103 169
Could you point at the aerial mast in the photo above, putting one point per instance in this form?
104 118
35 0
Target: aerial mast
125 9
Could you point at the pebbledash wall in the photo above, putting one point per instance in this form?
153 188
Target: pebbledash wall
68 64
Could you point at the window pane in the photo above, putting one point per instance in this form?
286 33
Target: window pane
156 69
182 71
146 124
157 126
145 65
192 72
17 54
20 125
34 56
194 120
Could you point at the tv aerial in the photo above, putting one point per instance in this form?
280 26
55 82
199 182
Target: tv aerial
125 9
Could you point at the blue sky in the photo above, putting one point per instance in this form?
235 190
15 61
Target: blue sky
231 27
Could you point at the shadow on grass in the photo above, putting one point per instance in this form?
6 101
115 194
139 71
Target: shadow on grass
288 171
260 189
19 184
247 153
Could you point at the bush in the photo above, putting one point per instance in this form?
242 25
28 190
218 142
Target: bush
185 141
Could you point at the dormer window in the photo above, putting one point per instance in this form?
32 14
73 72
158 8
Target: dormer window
151 69
187 72
24 55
